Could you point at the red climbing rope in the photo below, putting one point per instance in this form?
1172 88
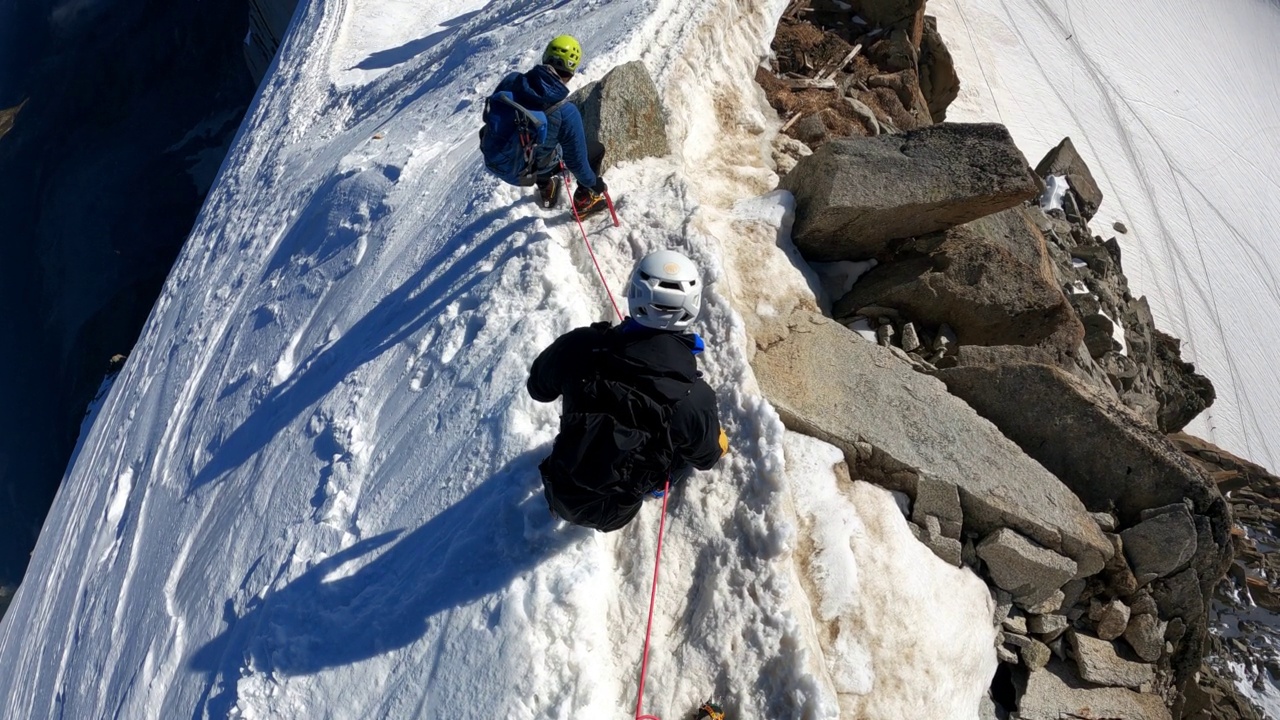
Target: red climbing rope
666 490
590 249
653 594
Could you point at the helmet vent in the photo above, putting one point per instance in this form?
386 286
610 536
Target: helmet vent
669 284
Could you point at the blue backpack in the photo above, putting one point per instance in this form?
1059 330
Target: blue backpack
511 137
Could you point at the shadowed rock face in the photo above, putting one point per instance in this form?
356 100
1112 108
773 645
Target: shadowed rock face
129 110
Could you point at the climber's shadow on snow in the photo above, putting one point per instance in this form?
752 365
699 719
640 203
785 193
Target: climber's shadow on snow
394 320
385 592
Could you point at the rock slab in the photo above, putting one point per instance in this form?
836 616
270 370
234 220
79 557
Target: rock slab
1161 544
827 382
1098 663
854 195
1053 694
1032 573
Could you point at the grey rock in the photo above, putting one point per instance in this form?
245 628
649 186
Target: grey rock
854 195
974 282
941 500
939 82
1163 510
1036 655
1118 575
1016 640
1106 521
1098 335
623 111
1162 544
811 130
1179 599
946 548
1098 663
787 151
884 334
1003 601
1053 603
1113 456
1052 694
910 340
1120 227
863 111
1047 627
1015 624
1005 655
1032 573
1143 604
906 15
1071 591
1064 160
1145 635
828 383
1113 620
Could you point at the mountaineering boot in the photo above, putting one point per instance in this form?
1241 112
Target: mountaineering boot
710 711
549 192
586 202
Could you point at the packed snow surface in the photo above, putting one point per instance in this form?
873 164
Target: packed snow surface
1174 106
313 492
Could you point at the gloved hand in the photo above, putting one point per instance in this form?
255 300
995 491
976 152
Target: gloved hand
724 443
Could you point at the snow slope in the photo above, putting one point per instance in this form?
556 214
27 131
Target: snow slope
312 492
1174 105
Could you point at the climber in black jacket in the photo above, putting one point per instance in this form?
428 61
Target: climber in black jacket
636 411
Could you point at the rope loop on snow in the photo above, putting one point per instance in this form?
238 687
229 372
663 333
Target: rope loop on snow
653 594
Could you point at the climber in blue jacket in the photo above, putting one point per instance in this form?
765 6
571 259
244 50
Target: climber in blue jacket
543 88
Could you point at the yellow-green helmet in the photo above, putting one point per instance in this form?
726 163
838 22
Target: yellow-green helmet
563 53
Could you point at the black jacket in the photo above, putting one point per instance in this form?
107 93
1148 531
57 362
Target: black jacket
581 483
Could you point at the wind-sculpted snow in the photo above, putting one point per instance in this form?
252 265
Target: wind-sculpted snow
313 492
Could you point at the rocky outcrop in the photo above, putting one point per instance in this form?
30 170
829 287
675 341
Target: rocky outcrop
1125 352
902 430
904 15
854 196
623 112
939 82
987 286
1111 459
1064 160
838 70
1245 603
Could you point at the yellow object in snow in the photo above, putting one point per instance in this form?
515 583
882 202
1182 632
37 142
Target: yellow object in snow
724 443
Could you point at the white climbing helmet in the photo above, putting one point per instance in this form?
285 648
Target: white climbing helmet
665 291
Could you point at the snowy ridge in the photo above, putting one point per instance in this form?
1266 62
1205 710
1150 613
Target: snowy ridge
312 492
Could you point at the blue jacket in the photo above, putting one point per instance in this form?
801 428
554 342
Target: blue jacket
540 89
